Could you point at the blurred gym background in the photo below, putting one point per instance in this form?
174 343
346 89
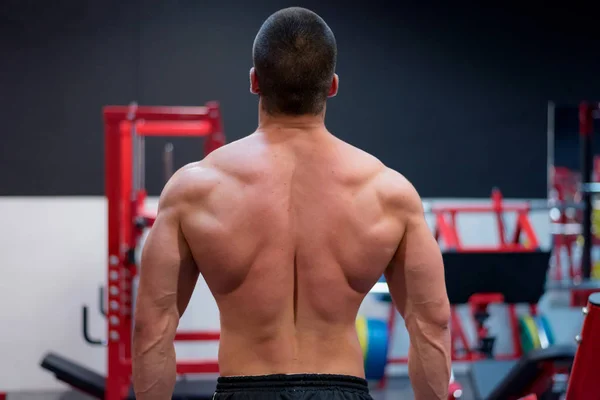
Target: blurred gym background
460 98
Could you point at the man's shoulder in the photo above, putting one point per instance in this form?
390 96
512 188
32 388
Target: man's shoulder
363 166
239 159
190 182
392 187
197 179
397 191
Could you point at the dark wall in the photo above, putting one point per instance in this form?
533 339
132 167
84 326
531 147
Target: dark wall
453 98
567 143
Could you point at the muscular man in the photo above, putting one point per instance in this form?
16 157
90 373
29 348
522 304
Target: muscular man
290 227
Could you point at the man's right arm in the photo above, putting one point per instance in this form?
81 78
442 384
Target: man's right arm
416 282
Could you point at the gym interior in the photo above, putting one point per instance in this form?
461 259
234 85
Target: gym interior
491 111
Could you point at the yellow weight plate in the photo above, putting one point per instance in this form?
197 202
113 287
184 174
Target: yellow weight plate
361 330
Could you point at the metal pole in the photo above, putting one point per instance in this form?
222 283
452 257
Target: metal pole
142 163
587 156
168 161
551 139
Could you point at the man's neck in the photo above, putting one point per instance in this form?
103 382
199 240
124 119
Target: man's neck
282 122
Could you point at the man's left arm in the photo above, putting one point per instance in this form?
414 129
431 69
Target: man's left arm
168 275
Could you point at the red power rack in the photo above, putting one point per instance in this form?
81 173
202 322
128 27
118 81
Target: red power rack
125 129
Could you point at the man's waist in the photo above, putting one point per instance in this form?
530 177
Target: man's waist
279 382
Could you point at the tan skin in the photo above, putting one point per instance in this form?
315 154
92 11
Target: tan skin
290 227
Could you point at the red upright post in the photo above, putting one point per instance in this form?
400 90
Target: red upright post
123 205
116 163
217 138
584 382
499 212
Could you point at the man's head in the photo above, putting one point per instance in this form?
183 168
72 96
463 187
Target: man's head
294 58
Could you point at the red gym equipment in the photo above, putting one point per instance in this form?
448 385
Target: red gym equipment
125 130
523 237
572 202
584 383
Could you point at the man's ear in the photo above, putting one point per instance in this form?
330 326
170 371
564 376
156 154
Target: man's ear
254 89
335 83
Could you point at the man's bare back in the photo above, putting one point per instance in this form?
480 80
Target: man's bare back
290 232
290 227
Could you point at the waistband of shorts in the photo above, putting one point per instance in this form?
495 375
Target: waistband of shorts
297 381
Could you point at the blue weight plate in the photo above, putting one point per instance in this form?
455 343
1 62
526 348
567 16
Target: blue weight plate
377 349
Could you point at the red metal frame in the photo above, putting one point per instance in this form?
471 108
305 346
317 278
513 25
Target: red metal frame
462 350
584 381
565 185
180 128
579 296
125 207
445 230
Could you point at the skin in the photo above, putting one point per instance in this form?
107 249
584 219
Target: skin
290 227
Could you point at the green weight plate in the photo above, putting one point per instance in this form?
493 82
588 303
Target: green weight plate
529 333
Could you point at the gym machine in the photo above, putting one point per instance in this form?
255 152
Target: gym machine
572 201
125 130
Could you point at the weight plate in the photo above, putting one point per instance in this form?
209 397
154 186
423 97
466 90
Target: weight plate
361 331
528 333
548 329
377 349
541 332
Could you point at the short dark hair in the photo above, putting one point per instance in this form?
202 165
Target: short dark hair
294 58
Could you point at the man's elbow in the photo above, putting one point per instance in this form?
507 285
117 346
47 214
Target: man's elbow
435 315
143 331
149 328
441 316
141 326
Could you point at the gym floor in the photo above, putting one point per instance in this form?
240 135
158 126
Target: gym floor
398 389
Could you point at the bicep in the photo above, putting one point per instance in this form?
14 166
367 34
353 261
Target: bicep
416 274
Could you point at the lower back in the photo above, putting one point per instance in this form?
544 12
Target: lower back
319 352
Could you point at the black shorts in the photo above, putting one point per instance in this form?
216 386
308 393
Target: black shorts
292 387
